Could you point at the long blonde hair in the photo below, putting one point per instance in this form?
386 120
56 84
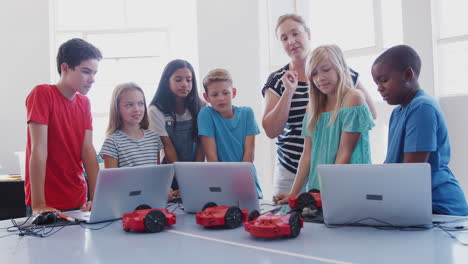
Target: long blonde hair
115 120
317 99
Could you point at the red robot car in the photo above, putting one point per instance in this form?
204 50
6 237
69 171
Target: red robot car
148 220
311 201
270 225
222 216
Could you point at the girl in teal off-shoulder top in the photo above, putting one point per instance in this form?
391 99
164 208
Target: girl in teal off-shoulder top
336 126
326 139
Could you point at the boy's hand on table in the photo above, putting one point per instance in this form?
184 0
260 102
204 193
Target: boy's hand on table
173 194
281 198
43 209
87 206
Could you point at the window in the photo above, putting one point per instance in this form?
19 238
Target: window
352 26
362 29
137 38
452 48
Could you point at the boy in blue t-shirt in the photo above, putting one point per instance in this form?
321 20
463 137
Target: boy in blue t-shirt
227 132
417 130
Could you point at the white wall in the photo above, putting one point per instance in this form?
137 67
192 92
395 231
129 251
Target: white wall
231 35
458 130
418 33
24 27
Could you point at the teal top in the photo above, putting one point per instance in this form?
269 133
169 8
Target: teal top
326 139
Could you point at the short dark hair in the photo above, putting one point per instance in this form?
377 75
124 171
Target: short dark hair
74 51
400 58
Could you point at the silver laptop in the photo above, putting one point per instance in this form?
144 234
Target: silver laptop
224 183
121 190
376 194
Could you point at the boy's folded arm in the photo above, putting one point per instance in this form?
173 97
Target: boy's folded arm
249 149
209 146
416 157
90 163
37 164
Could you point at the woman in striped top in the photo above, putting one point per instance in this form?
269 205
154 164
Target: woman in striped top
285 108
129 142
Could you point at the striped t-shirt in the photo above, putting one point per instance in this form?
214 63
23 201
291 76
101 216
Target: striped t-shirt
130 152
290 142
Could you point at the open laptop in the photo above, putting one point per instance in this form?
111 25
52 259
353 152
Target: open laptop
121 190
376 194
224 183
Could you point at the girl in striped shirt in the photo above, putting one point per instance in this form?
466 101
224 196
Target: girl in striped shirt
129 142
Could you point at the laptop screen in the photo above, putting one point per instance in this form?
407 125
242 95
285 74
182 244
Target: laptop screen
376 194
224 183
121 190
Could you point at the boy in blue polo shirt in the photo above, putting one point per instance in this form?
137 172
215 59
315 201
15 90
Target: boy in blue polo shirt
227 132
417 130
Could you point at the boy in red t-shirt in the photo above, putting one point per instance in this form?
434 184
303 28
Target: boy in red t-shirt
59 142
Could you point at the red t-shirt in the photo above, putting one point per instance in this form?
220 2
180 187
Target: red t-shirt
65 186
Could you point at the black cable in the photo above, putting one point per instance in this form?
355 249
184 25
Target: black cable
451 235
385 226
447 228
274 210
98 228
49 232
38 231
14 228
174 206
45 231
13 221
450 222
176 203
456 228
169 205
181 207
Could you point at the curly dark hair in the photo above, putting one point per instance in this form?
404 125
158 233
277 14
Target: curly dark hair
401 57
74 51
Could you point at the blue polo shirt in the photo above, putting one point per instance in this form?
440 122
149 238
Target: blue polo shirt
421 127
229 134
